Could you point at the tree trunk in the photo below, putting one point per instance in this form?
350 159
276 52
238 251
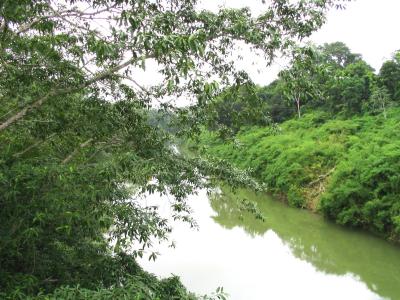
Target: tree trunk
297 99
384 110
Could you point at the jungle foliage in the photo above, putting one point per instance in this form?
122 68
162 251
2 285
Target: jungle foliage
346 168
327 78
342 155
78 139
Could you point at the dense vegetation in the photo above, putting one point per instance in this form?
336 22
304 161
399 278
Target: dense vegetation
340 155
77 134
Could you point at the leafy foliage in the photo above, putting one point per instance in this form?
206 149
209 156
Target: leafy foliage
328 77
389 75
236 107
298 82
337 54
347 168
78 141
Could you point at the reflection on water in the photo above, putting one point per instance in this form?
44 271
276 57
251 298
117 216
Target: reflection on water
293 254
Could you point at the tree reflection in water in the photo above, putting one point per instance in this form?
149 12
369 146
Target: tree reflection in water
330 248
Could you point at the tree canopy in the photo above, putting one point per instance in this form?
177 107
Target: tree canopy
390 76
75 139
339 157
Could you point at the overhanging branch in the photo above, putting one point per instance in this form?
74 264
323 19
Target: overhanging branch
55 93
73 153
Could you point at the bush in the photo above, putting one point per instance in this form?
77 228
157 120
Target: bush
365 189
347 168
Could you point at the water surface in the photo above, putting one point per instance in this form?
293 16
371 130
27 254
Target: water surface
293 254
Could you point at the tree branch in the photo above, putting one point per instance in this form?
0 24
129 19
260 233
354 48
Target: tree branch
25 27
136 83
322 177
33 146
73 153
62 15
54 93
23 112
3 25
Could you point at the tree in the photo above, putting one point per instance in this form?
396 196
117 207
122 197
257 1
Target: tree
298 78
337 54
75 141
235 107
350 88
389 75
276 106
379 100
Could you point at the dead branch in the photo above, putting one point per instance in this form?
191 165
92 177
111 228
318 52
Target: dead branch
322 177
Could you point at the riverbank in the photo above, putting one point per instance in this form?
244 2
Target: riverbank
346 169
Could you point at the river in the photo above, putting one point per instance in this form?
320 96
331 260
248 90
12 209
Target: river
293 254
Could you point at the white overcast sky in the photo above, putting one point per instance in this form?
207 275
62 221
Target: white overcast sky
368 27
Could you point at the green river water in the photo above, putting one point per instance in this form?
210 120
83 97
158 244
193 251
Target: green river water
293 254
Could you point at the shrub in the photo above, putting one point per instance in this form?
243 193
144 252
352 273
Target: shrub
349 167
